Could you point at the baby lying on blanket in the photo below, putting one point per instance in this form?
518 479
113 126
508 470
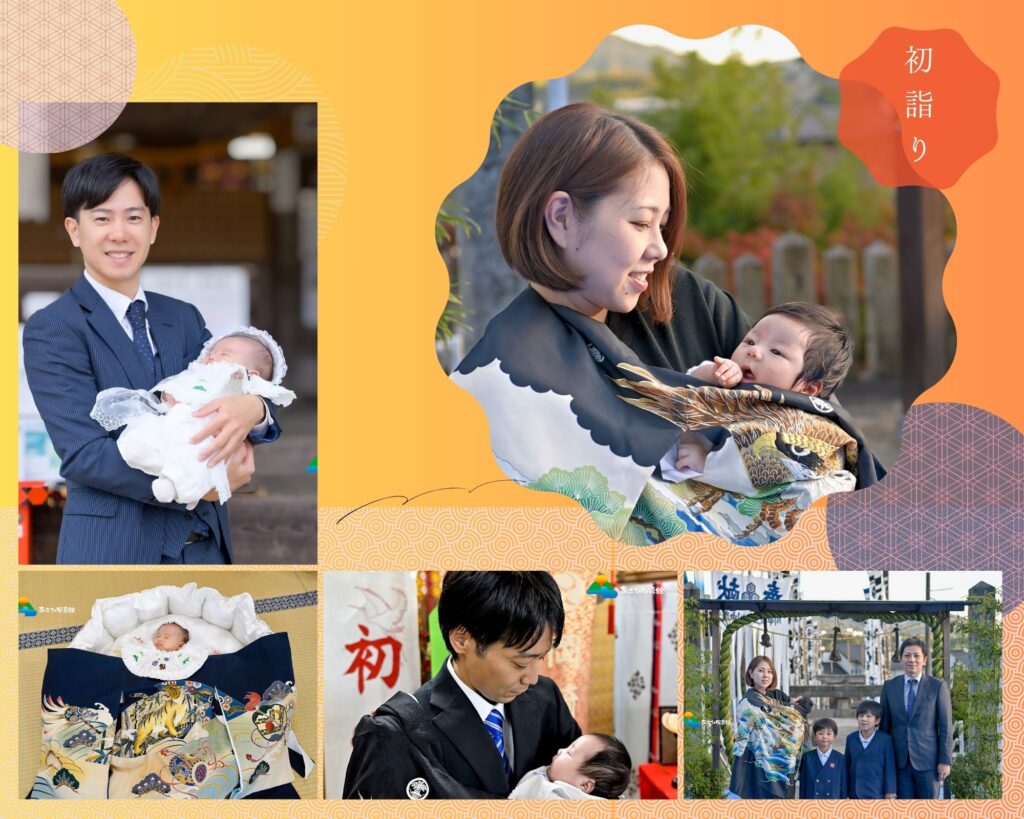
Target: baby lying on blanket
159 424
170 637
594 766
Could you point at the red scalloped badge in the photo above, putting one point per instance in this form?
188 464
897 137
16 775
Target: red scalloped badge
918 107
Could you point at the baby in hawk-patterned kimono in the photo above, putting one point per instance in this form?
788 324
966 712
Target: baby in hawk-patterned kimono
772 443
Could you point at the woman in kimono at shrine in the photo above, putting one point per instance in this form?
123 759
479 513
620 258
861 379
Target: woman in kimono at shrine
770 732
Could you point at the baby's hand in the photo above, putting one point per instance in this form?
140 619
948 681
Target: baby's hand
726 372
169 399
690 456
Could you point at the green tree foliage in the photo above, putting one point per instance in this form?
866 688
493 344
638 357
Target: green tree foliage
732 125
977 701
700 779
452 218
735 127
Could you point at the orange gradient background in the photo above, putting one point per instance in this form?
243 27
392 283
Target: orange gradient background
412 89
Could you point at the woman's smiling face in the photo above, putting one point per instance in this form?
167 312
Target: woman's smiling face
762 677
615 246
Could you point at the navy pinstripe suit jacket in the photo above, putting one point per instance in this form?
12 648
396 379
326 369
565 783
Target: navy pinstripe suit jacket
74 348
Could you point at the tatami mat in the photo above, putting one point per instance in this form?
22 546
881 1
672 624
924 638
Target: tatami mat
78 589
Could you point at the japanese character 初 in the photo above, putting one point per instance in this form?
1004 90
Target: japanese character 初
371 656
919 61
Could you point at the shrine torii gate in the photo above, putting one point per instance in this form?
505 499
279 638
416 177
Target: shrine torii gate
933 613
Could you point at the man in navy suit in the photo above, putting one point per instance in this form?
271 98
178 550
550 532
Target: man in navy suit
488 716
107 332
916 711
823 769
870 761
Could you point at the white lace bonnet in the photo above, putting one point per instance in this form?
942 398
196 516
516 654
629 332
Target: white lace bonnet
264 338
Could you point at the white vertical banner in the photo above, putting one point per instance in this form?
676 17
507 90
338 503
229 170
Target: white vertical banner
634 664
371 651
797 662
668 668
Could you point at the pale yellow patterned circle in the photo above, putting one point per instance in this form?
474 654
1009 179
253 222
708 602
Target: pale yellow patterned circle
67 71
245 74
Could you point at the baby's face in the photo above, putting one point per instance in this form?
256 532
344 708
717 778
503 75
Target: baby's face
565 765
772 353
234 350
169 637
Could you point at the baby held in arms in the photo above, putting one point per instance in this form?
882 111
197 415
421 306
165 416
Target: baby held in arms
159 423
796 346
594 766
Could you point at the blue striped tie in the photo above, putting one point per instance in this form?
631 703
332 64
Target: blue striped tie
495 726
137 319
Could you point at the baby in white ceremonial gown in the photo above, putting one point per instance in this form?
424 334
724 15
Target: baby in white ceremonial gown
159 424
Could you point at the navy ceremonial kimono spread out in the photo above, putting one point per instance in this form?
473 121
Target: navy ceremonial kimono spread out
107 733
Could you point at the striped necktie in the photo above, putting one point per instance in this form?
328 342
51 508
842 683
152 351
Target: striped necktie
140 338
495 726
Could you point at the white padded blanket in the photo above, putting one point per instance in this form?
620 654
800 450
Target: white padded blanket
125 626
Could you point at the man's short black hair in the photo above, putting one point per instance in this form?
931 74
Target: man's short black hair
822 724
870 707
93 181
913 641
609 768
512 608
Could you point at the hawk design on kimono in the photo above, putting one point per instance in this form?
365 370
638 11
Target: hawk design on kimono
778 444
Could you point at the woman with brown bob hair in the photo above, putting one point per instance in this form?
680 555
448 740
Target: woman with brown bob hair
589 153
590 212
770 730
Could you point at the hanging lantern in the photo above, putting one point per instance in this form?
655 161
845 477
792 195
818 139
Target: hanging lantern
766 641
834 655
896 653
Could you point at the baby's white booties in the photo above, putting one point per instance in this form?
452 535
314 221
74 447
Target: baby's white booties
163 490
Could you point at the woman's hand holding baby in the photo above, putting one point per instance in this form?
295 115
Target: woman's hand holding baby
723 371
233 419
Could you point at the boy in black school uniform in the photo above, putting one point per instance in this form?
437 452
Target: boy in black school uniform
870 758
823 769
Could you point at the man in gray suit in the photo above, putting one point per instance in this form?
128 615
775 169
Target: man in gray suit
916 712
